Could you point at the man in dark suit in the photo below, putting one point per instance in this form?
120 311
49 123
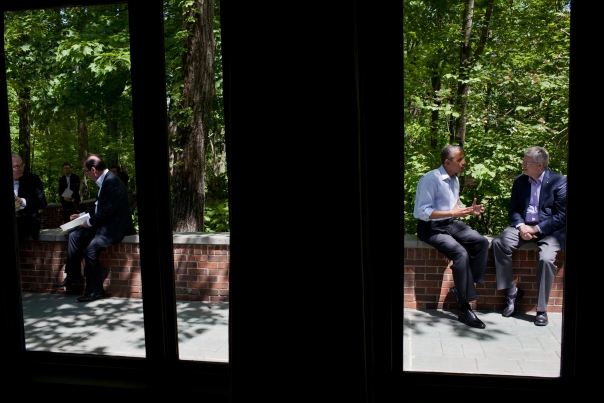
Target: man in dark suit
122 175
110 220
29 198
72 182
537 214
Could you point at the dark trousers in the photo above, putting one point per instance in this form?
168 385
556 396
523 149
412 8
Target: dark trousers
83 245
467 248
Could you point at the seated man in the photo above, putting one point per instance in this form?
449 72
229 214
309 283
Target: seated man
110 220
537 214
29 196
437 205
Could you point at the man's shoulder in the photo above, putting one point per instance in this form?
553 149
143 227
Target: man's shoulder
30 177
432 173
553 175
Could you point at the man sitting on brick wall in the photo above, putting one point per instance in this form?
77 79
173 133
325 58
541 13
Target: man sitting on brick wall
110 220
437 204
537 214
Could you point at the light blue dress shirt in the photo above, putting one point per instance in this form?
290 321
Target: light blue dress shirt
436 190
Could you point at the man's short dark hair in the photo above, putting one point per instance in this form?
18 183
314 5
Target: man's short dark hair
66 164
117 168
93 160
448 152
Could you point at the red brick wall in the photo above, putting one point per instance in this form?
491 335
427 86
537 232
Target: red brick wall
427 279
51 216
201 271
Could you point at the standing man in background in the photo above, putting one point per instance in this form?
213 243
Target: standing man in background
72 182
29 198
122 175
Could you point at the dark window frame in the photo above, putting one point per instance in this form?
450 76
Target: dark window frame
377 34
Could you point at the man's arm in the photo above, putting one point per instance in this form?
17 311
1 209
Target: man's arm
62 186
556 219
34 195
424 203
109 200
518 206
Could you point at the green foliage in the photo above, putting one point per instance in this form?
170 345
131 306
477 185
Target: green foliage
135 219
217 205
518 96
74 62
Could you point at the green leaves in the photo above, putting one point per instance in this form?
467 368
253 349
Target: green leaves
518 96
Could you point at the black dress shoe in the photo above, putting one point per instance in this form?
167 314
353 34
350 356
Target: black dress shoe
510 301
541 320
92 296
468 317
70 280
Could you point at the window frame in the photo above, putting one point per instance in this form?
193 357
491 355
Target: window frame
159 302
376 32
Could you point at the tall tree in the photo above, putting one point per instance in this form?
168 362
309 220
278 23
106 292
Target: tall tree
188 178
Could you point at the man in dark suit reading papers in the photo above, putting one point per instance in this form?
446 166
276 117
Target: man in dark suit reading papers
110 220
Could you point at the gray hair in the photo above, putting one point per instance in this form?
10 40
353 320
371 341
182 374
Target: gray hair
538 154
448 152
15 155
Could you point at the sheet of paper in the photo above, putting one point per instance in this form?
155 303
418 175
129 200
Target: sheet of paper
67 193
76 222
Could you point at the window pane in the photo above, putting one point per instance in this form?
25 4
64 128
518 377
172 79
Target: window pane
69 90
507 92
200 215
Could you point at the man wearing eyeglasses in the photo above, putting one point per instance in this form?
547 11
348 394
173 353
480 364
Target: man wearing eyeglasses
29 198
110 220
437 207
537 214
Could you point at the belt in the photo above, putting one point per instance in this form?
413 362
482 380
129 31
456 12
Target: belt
531 223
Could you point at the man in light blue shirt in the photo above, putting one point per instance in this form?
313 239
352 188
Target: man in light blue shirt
437 205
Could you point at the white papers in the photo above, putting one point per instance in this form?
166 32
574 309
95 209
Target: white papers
67 193
75 223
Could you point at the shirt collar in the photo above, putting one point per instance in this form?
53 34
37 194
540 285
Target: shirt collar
539 179
101 178
444 175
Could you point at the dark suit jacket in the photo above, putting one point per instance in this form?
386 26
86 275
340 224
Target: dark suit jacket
30 189
111 218
552 203
74 185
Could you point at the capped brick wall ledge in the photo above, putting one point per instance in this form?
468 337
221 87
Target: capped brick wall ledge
428 277
201 266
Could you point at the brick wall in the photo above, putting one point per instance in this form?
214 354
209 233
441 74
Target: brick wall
201 271
51 216
427 279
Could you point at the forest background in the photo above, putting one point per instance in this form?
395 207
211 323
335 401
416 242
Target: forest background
69 94
493 77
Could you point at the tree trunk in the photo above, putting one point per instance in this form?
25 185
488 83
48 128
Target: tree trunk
83 151
465 65
25 128
112 157
188 179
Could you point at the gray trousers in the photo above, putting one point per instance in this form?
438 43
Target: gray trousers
508 241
